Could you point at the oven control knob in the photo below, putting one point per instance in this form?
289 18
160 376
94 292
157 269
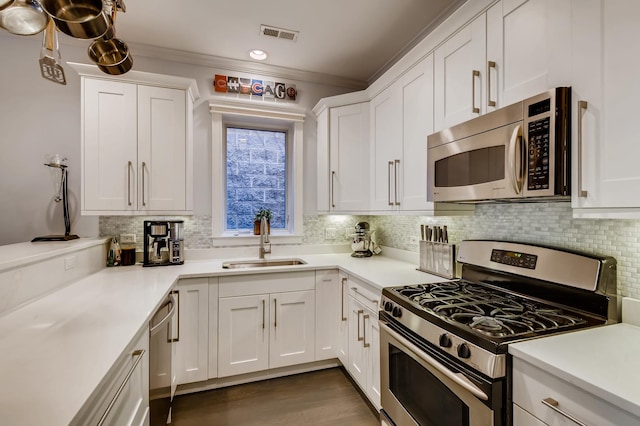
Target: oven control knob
445 341
388 306
463 351
397 312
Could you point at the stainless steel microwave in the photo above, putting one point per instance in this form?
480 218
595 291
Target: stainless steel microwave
521 151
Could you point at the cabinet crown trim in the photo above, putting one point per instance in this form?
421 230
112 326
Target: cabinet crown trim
141 77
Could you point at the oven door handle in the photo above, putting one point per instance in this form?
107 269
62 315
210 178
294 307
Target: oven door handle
456 377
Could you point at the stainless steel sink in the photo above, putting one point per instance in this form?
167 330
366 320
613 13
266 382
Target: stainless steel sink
262 263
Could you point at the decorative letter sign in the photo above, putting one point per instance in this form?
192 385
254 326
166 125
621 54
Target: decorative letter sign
246 86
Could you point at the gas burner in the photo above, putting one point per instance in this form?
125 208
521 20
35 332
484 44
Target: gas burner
410 291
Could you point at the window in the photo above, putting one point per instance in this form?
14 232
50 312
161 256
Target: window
256 176
272 179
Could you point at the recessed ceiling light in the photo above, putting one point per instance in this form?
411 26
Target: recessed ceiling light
258 55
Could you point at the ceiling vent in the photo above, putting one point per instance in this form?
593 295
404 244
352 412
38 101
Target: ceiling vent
269 31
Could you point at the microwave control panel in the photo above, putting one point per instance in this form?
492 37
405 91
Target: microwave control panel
538 154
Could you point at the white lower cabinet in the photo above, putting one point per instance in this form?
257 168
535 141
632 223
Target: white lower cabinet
532 386
192 347
364 339
328 315
265 321
342 344
123 396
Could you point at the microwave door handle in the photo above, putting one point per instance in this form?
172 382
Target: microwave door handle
513 156
460 379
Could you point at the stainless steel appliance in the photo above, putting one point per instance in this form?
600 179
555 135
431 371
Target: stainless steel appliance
163 242
361 243
519 151
443 345
163 332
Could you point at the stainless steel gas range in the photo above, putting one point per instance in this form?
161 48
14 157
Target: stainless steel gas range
444 346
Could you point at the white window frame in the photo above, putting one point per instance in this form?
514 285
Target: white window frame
261 115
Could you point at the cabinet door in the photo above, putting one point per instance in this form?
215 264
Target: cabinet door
459 65
342 346
327 300
213 327
292 332
162 143
607 81
417 124
372 345
109 146
243 334
524 418
528 42
349 158
386 147
323 195
357 365
193 340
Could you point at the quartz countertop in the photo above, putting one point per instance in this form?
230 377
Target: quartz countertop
603 361
56 350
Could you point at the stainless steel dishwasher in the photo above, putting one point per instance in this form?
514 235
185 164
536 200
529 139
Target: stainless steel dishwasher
163 332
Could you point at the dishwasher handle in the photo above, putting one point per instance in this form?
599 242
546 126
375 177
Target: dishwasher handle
170 302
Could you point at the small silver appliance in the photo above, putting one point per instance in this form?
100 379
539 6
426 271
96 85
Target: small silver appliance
361 244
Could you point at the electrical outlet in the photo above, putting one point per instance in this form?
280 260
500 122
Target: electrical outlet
69 262
348 232
127 238
331 233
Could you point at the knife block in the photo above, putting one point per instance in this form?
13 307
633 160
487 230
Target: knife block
438 259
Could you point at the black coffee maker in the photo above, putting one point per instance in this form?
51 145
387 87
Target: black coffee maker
163 242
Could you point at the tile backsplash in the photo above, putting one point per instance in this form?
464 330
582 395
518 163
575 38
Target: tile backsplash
541 223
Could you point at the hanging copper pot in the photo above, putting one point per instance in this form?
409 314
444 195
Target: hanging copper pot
78 18
23 17
111 54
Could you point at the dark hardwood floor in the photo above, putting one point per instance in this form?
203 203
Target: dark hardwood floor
319 398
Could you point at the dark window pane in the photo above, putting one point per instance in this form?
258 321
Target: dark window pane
256 176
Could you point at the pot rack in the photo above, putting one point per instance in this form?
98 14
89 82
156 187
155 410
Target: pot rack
30 17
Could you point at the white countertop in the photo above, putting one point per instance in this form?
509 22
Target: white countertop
55 351
603 361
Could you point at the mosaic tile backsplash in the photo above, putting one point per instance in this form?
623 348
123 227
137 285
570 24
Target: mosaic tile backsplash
542 223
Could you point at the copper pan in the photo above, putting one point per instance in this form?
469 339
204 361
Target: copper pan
23 17
78 18
111 54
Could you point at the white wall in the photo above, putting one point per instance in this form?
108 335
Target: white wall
38 117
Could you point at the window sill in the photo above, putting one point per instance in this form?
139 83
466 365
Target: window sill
246 239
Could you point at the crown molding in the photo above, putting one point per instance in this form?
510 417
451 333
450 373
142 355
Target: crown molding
240 66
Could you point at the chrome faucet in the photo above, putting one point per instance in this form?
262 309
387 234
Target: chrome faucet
264 239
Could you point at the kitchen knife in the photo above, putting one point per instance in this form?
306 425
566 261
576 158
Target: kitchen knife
422 232
445 235
429 233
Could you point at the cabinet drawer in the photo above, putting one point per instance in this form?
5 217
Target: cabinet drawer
278 282
531 385
365 294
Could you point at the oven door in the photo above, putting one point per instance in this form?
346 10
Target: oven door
419 389
485 166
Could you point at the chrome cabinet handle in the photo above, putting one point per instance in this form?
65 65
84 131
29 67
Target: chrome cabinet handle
166 319
143 167
421 355
396 173
275 313
553 404
490 65
344 282
582 106
360 338
474 109
364 331
389 183
355 289
516 180
263 309
139 353
129 166
333 178
177 292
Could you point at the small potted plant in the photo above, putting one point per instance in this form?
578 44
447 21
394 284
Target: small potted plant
266 213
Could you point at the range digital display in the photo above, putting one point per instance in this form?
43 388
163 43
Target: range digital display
513 258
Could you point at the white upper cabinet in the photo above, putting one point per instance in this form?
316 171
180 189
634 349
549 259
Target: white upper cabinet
343 158
527 45
459 93
517 49
137 143
605 91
